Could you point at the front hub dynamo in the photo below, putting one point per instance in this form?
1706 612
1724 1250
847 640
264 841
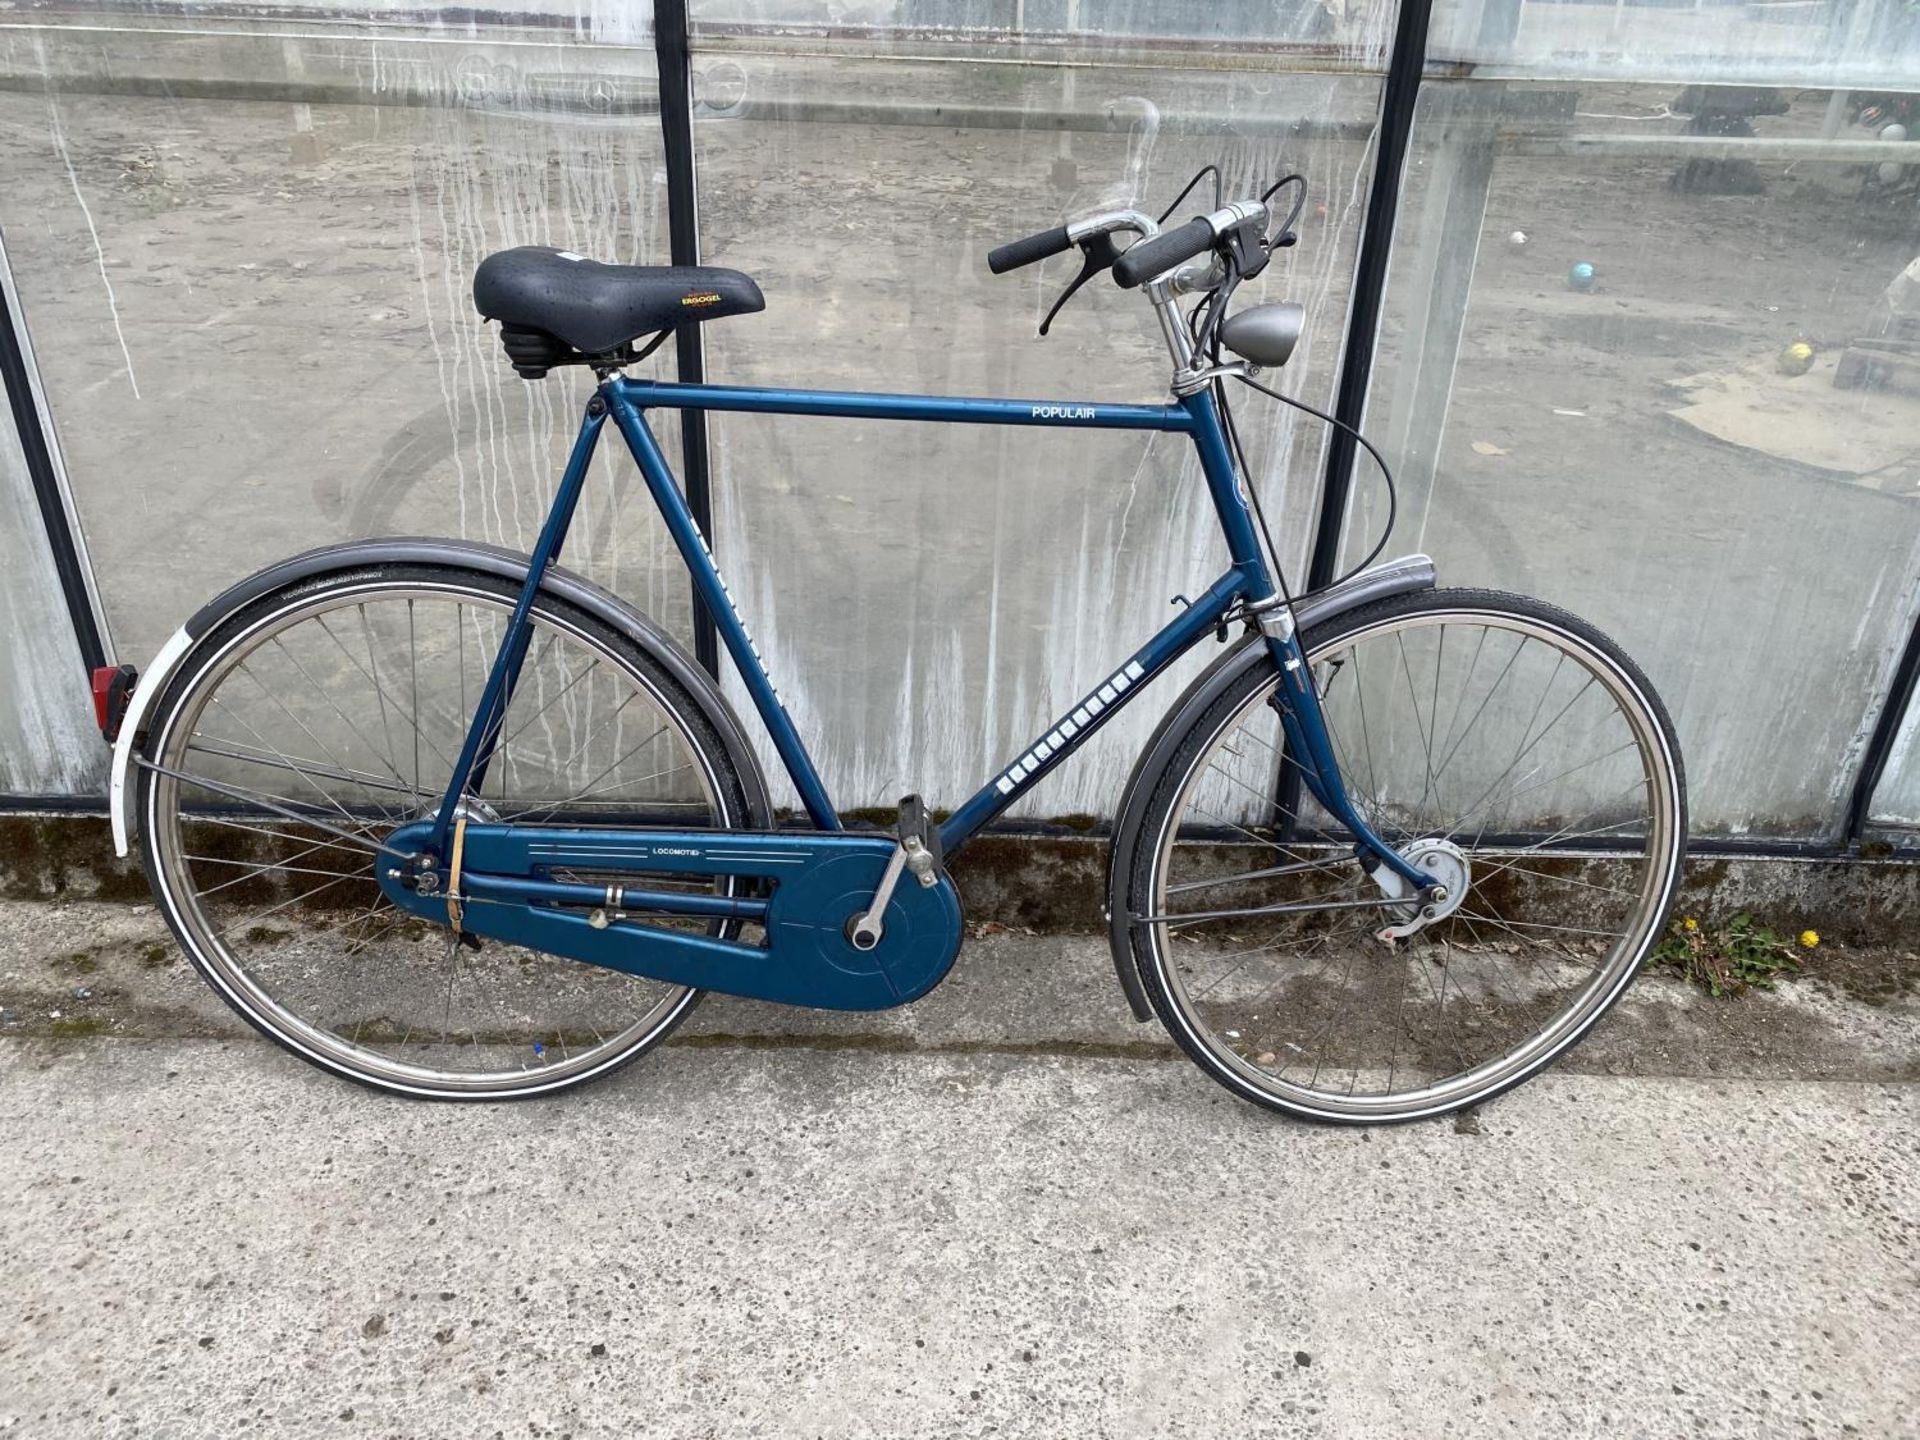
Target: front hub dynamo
1452 874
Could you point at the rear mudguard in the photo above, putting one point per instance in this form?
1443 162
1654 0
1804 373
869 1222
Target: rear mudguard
468 554
1396 577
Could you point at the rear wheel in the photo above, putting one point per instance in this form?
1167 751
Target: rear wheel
318 719
1498 743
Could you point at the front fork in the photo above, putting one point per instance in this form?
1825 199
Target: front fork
1310 747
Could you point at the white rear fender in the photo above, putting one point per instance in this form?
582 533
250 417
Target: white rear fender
152 681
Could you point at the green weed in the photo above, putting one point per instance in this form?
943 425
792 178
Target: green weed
1730 959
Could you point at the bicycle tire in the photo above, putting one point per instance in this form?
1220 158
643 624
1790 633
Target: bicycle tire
1213 1046
222 654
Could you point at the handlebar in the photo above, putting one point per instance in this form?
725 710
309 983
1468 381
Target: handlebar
1015 253
1233 241
1236 234
1173 247
1163 252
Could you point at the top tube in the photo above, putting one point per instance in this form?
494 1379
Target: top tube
860 405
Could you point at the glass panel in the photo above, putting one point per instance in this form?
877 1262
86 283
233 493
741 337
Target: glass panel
1861 43
246 250
1896 800
930 598
1707 441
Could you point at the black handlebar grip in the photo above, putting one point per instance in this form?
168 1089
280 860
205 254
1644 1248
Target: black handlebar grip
1015 253
1150 257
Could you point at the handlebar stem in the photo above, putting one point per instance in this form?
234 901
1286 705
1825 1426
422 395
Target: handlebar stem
1160 293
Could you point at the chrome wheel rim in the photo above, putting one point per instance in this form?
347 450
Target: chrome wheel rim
509 1020
1280 1018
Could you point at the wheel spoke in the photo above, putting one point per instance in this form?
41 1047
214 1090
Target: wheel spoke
308 768
366 843
252 798
276 894
311 783
333 705
1430 707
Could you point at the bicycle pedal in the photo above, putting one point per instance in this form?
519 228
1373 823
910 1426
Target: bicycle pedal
920 840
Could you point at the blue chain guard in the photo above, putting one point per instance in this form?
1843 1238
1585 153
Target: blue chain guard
820 881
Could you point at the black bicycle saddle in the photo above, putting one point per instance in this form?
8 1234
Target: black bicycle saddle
596 309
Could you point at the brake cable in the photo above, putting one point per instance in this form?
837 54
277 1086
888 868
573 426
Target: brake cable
1386 472
1206 336
1187 190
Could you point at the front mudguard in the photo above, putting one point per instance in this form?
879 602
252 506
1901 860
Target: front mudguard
1396 577
466 554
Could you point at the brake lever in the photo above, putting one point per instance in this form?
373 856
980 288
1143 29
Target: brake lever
1098 253
1247 250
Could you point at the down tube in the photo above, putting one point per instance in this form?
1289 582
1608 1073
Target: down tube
1107 699
719 603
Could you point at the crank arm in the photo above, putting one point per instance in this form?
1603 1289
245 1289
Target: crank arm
869 930
918 851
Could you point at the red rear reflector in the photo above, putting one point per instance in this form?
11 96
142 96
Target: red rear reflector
112 688
103 679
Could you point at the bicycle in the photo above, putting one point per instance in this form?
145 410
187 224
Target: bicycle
453 822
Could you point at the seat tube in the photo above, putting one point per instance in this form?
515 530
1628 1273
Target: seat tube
713 590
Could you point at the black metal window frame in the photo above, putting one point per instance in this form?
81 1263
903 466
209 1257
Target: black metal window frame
674 49
68 563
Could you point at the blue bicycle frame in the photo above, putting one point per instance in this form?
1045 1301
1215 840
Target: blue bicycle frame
1247 588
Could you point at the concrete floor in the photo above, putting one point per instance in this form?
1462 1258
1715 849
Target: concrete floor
978 1216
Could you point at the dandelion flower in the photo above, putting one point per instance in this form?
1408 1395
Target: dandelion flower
1689 923
1809 939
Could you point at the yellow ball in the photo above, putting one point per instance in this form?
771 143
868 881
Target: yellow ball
1796 359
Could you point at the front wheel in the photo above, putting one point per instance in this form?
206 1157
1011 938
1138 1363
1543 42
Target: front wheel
1498 742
